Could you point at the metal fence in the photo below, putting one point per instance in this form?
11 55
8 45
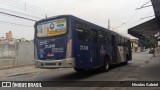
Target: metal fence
17 53
7 51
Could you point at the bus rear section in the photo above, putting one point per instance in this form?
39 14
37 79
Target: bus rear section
53 43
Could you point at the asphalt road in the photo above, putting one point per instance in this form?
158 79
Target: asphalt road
130 72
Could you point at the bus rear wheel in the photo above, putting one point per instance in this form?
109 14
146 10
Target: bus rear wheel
106 65
79 69
126 62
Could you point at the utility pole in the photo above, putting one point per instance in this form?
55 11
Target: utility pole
46 16
108 24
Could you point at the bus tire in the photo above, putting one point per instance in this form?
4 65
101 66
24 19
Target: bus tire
126 62
79 69
106 65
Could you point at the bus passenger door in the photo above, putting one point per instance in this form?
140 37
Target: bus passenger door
114 49
94 46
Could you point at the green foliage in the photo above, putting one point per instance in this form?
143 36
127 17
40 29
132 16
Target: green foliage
152 43
148 42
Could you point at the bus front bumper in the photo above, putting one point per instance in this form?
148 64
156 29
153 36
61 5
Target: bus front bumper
64 63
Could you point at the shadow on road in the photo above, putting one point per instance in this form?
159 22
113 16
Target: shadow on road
74 76
77 76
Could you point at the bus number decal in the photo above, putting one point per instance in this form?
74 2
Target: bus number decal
83 47
50 46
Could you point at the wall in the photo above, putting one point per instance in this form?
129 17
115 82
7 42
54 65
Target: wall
25 53
19 53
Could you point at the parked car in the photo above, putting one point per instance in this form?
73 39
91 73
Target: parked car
151 51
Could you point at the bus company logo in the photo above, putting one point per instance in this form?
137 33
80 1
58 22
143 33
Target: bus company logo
51 26
60 25
6 84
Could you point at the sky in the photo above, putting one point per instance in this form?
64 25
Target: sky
121 13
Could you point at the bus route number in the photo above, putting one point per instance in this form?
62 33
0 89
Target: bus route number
50 46
82 47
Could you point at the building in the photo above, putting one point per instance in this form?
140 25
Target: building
9 35
134 45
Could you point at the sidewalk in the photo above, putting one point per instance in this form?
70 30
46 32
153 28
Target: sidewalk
148 71
17 70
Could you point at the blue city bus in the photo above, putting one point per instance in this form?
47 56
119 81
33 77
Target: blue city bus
66 41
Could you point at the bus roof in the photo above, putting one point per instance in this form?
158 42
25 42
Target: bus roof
92 24
113 32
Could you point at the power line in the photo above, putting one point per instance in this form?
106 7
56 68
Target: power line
37 8
15 4
9 2
12 5
118 26
40 14
131 18
15 24
143 6
17 16
19 13
145 3
26 6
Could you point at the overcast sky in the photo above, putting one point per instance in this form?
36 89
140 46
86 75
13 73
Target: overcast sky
95 11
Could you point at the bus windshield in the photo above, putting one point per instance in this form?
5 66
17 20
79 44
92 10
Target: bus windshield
52 28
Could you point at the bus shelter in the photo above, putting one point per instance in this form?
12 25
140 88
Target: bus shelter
149 28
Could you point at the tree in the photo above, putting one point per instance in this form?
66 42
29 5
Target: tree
153 43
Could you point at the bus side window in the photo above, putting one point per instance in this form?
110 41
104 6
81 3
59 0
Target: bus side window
109 38
81 35
106 37
119 40
123 41
82 32
100 36
93 35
